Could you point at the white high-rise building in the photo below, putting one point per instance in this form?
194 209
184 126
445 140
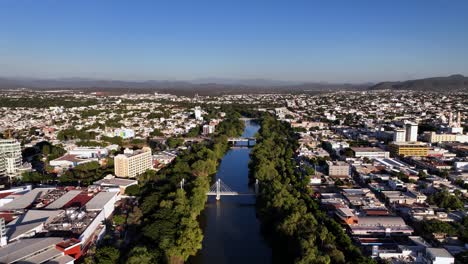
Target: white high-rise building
10 158
3 236
198 114
411 132
399 135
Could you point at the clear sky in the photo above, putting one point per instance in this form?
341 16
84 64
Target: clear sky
334 41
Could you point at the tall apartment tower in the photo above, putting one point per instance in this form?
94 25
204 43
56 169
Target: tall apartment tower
454 126
399 135
3 236
411 132
450 119
133 163
198 113
10 158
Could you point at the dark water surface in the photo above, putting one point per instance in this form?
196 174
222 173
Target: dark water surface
231 229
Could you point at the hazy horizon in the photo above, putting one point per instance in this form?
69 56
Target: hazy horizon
290 41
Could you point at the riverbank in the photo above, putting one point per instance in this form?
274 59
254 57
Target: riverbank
231 229
167 230
291 220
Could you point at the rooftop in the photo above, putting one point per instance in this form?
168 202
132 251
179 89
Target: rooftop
100 200
63 200
439 252
367 149
116 182
29 221
25 248
25 200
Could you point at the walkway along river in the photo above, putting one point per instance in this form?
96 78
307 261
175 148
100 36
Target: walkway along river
230 227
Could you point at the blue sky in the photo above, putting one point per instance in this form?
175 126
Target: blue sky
334 41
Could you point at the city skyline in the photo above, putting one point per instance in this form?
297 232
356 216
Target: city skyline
301 41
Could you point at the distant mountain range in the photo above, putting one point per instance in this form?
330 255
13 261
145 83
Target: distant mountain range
451 83
217 86
212 86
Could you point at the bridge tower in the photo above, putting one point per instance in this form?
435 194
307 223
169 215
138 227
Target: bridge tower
218 189
182 183
256 186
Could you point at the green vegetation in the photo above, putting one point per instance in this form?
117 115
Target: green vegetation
45 102
113 140
156 133
430 227
113 122
231 127
155 115
87 173
194 132
446 200
90 112
72 133
50 151
107 255
90 143
35 177
133 190
298 231
174 142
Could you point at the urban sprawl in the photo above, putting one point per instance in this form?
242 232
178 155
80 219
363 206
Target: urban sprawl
390 167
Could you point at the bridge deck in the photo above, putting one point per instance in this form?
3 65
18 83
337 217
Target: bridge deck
222 193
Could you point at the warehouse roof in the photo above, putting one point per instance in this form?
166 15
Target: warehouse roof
439 252
63 200
25 248
100 200
42 257
65 259
25 200
116 182
29 221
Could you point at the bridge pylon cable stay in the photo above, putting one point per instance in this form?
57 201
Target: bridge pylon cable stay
219 188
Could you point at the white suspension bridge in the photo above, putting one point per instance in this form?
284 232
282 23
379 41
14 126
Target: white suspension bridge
219 188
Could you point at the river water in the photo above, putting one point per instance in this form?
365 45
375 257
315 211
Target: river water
230 227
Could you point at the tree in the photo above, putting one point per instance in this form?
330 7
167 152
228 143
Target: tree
156 133
119 219
189 240
446 200
133 190
204 167
134 218
174 142
107 255
348 152
193 132
140 255
35 177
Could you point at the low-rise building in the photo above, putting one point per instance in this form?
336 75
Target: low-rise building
110 181
438 256
208 129
433 137
370 152
408 149
380 226
338 169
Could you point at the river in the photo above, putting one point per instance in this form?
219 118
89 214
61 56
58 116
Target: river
230 227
